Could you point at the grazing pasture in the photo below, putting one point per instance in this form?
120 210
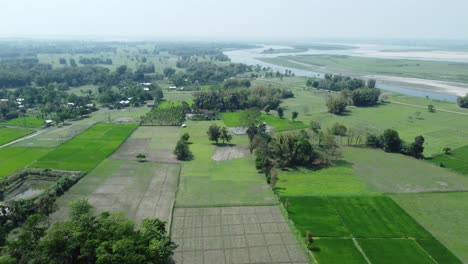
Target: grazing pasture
443 214
13 159
88 149
27 121
456 160
10 134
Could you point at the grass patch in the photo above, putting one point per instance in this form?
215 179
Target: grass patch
13 159
457 160
336 250
444 215
10 134
339 179
234 119
88 149
392 251
27 121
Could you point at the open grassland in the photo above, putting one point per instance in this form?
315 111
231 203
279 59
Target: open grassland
440 129
13 159
139 189
27 121
88 149
339 179
444 215
456 160
205 182
10 134
395 173
234 119
337 251
390 251
434 70
54 136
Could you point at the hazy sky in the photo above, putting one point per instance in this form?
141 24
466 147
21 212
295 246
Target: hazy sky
223 19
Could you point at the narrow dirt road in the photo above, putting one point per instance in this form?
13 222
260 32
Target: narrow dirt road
425 107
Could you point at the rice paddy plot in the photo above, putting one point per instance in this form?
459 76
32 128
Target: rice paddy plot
10 134
88 149
390 251
337 251
13 159
26 121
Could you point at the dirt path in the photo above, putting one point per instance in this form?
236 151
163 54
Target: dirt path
23 138
425 107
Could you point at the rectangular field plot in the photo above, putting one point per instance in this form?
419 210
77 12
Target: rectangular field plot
391 251
10 134
337 251
27 121
317 215
376 217
438 251
13 159
87 150
247 234
139 189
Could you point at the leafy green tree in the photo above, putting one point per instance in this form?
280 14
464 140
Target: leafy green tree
339 129
214 133
371 83
374 141
141 157
391 141
169 72
431 108
280 112
463 101
294 115
225 135
336 104
365 96
182 150
250 116
267 109
447 150
185 137
416 148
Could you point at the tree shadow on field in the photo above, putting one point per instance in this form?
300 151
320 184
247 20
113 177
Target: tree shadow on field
224 145
314 249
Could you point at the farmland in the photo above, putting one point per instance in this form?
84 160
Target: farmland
13 159
10 134
27 121
87 150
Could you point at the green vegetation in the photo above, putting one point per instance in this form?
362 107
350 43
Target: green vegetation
456 160
444 215
438 251
390 251
165 114
234 119
26 121
88 149
337 251
10 134
435 70
13 159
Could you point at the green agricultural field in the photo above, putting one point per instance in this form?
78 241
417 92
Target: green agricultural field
337 251
88 149
390 251
456 160
27 121
339 179
397 173
13 159
438 252
206 182
444 215
54 136
10 134
434 70
233 119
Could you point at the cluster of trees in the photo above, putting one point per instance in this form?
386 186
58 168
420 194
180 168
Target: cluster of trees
240 98
338 83
94 61
125 90
170 115
23 48
216 133
87 238
182 149
213 50
390 141
463 101
235 83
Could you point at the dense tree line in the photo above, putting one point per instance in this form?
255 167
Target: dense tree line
390 141
18 49
214 50
94 61
240 98
89 238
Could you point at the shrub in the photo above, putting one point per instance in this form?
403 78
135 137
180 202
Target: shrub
337 104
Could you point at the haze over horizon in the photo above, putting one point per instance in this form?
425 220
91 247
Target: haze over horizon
235 20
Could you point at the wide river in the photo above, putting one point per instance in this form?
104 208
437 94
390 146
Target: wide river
251 57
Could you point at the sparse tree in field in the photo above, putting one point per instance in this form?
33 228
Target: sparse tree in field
141 157
337 104
280 112
185 137
309 238
214 133
182 150
416 148
447 150
391 141
294 115
371 83
267 109
431 108
225 135
330 147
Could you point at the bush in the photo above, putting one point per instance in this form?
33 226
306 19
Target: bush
182 150
374 141
365 96
337 104
463 101
392 141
